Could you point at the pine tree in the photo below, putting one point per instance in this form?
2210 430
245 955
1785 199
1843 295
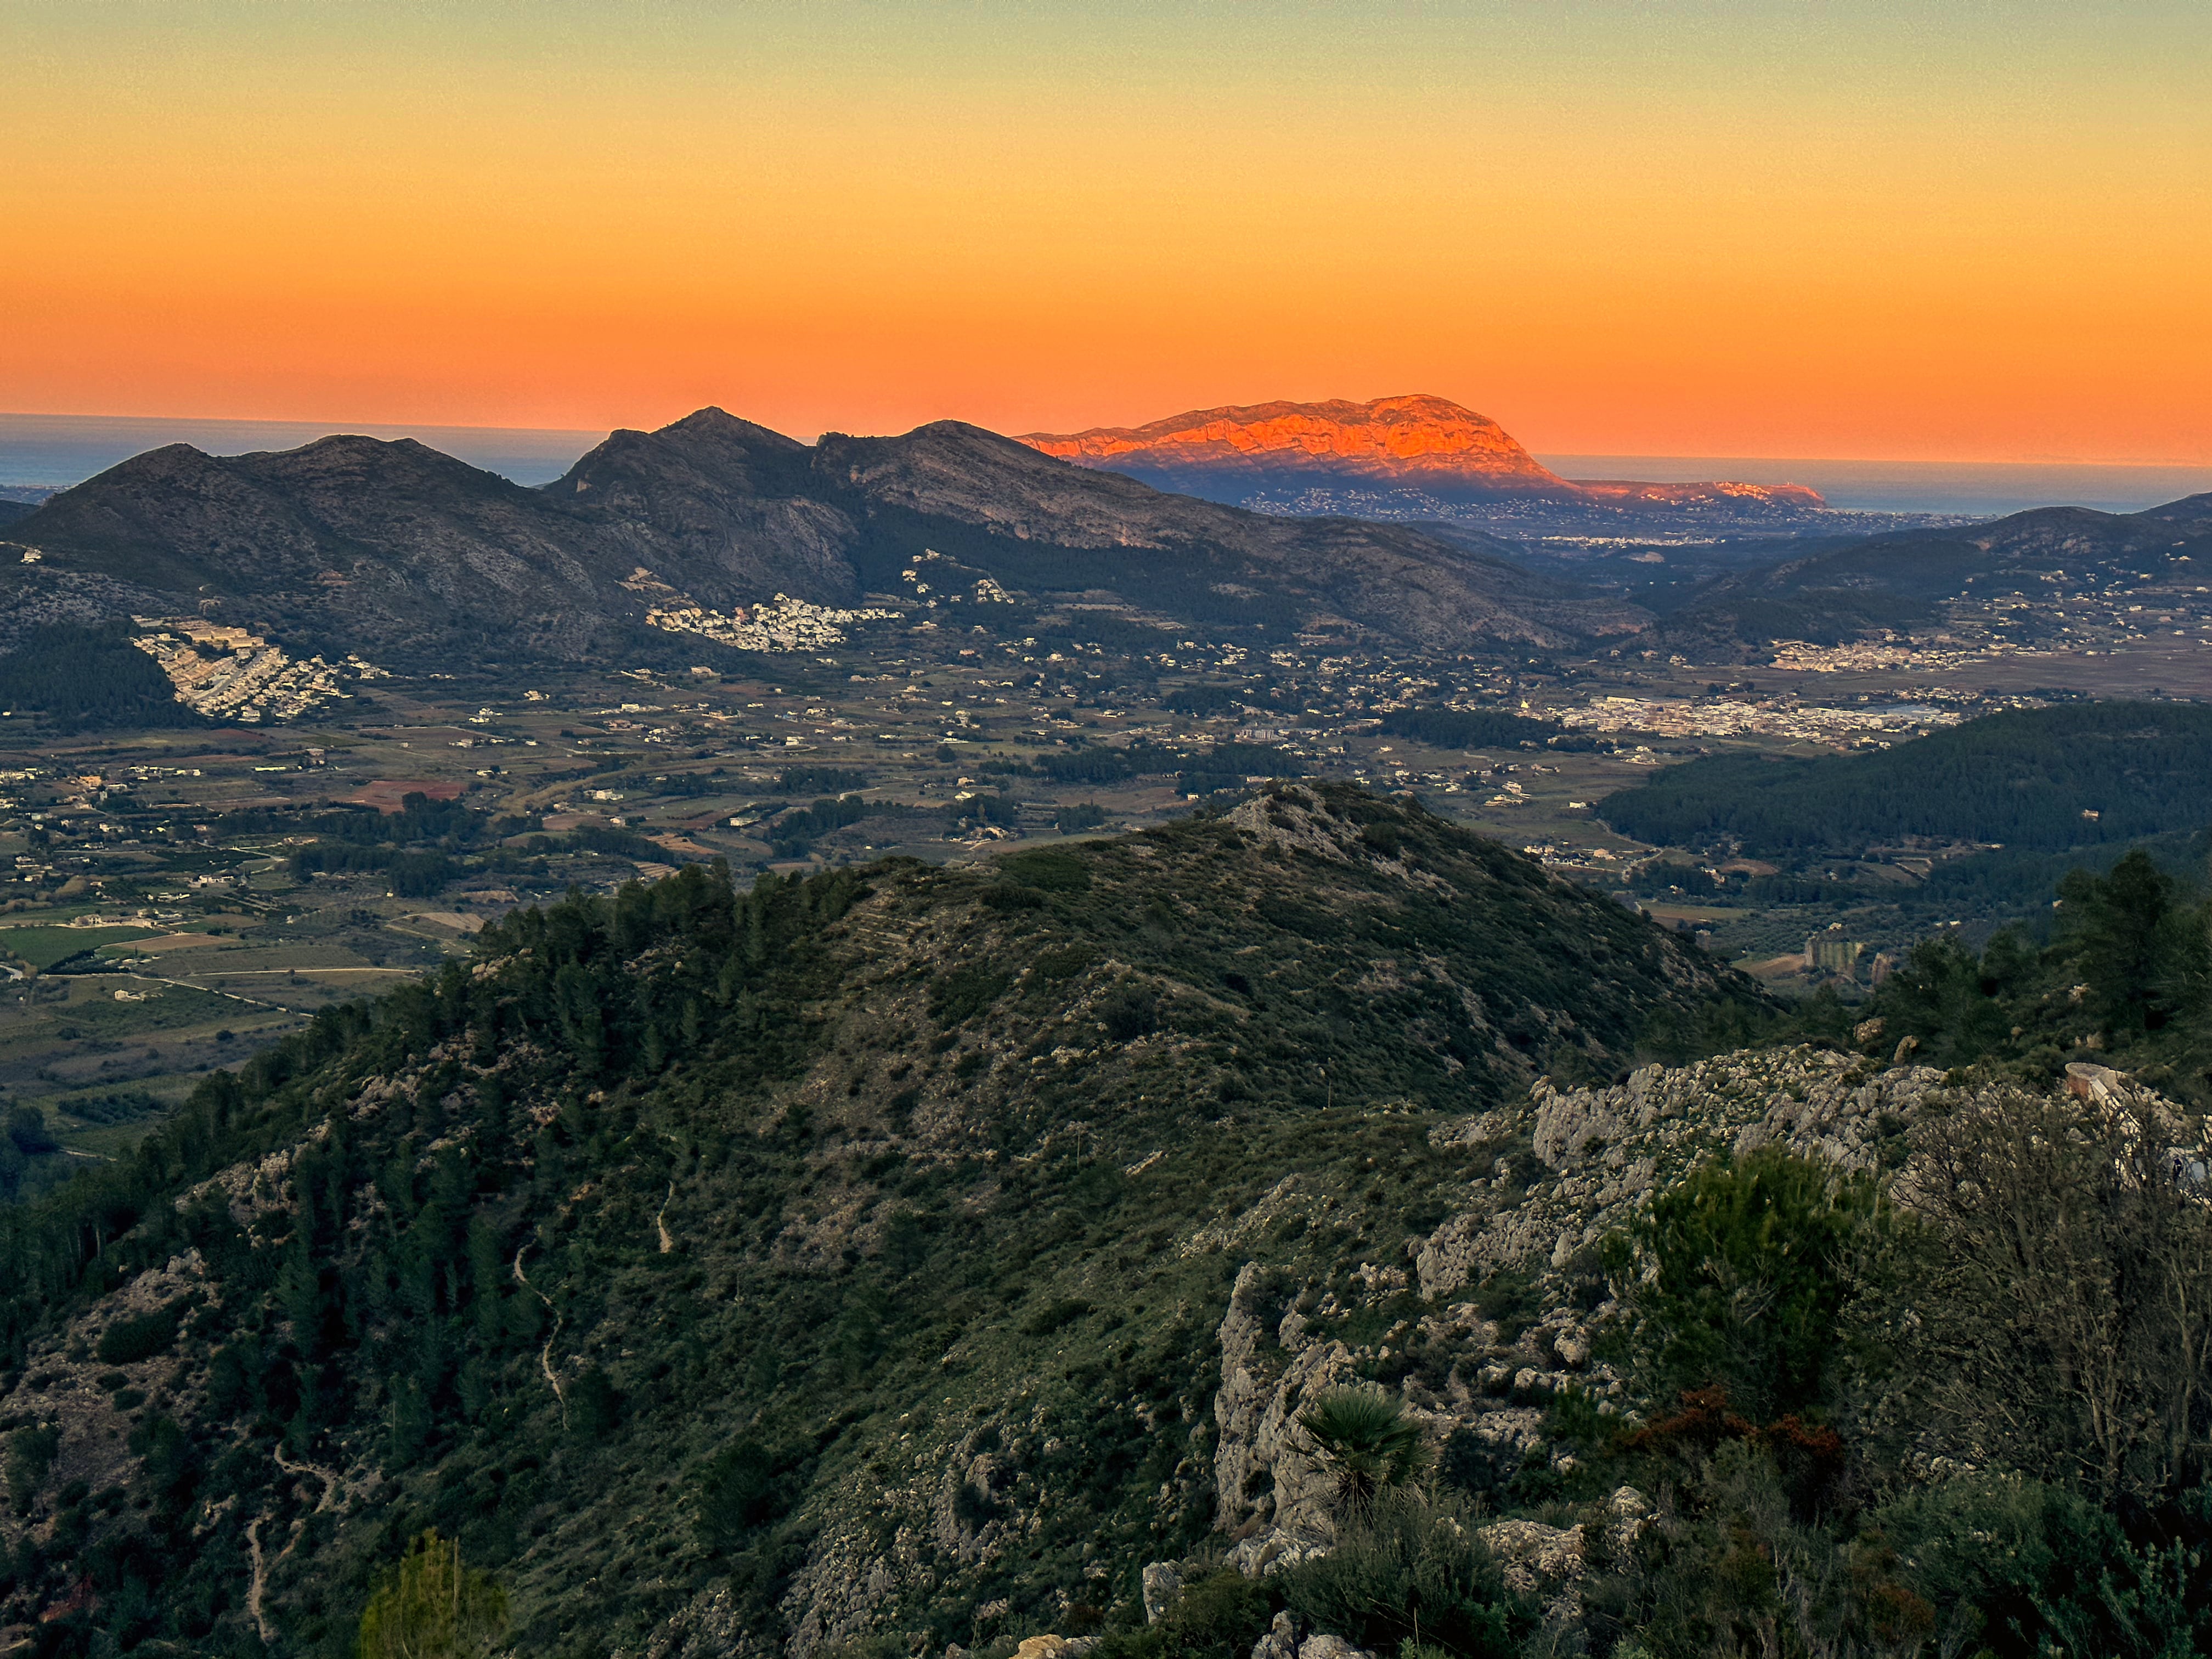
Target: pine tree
431 1606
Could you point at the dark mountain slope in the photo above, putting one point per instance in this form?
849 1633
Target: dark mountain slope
726 1272
348 542
2191 513
1045 524
727 511
1897 580
392 548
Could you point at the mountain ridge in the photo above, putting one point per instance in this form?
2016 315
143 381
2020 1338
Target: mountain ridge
1900 579
360 544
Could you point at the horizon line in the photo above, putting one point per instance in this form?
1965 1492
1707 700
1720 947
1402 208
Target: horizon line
368 428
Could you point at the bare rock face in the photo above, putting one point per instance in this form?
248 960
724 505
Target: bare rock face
1055 1647
1281 1641
1262 1472
1398 438
1163 1583
1535 1557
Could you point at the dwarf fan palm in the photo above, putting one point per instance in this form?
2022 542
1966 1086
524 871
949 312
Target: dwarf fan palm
1364 1438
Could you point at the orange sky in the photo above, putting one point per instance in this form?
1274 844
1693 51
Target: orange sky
1967 231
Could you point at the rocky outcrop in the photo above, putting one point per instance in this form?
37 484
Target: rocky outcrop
1603 1153
1262 1471
1163 1583
1606 1151
1599 1156
73 1401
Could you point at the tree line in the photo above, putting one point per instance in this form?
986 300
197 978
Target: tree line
2075 775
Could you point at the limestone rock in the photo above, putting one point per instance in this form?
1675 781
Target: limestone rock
1260 1472
1536 1560
1162 1582
1271 1550
1628 1511
1281 1641
1609 1149
1055 1647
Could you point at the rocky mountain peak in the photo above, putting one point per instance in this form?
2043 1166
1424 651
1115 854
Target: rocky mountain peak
1415 455
1396 438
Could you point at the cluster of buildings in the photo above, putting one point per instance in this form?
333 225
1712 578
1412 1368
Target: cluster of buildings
228 673
1876 656
1733 717
781 623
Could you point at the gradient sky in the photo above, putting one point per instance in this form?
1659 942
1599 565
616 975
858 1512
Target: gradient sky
1964 230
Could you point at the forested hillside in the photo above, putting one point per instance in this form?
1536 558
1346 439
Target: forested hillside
696 1259
1197 1242
81 678
2077 775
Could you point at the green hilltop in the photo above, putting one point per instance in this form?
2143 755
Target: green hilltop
673 1246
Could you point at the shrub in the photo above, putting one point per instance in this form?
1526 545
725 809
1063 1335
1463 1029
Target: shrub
127 1341
1410 1569
1054 1315
2044 1571
2050 1297
965 993
1747 1283
1049 869
30 1454
27 1128
1219 1616
737 1492
1130 1013
594 1406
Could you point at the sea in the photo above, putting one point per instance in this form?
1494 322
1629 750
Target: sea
44 453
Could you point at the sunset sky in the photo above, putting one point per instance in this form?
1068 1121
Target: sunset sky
1964 230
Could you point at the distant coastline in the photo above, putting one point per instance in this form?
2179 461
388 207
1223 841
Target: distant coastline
1978 487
